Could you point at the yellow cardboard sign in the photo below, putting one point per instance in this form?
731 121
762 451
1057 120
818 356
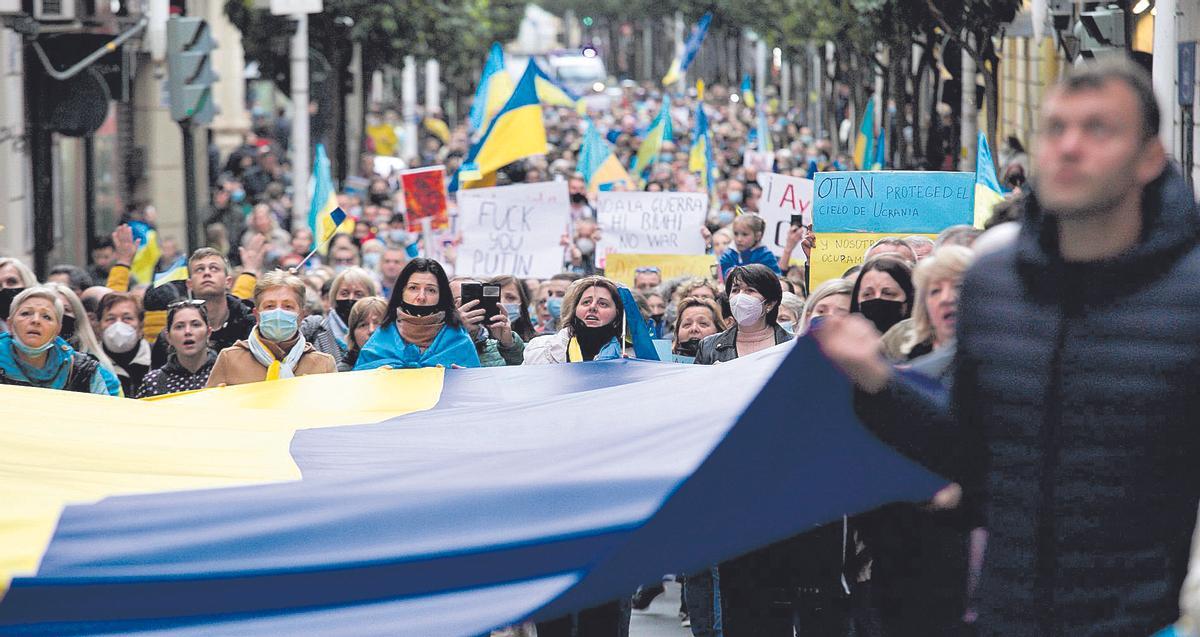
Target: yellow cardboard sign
622 267
837 252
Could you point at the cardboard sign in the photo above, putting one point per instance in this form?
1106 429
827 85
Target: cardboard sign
622 267
651 222
425 197
837 252
782 197
892 202
513 230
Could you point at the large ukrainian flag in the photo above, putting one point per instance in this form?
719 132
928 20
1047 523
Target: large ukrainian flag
516 132
418 502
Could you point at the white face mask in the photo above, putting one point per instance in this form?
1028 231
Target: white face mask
746 309
120 337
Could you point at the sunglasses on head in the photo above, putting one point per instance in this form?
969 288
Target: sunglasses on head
648 270
185 302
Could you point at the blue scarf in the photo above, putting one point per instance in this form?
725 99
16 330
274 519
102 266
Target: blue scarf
53 374
452 346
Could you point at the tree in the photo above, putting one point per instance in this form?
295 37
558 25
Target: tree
973 24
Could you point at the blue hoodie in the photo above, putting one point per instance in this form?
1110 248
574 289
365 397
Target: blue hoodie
731 258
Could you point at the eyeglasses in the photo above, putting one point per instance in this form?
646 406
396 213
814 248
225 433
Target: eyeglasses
649 269
186 302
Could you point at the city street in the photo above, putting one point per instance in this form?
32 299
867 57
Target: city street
661 619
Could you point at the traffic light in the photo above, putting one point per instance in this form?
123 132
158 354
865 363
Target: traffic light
189 70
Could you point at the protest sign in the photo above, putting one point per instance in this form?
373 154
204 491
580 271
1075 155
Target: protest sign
512 230
837 252
622 267
782 197
425 197
892 202
651 222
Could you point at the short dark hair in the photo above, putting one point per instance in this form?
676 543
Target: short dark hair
78 278
445 297
761 279
1119 68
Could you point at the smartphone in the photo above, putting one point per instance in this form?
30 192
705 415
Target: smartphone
797 220
487 295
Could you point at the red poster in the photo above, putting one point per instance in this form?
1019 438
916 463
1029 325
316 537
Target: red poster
425 197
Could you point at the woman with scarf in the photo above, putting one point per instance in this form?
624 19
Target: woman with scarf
33 354
592 316
590 329
330 333
275 348
424 328
77 332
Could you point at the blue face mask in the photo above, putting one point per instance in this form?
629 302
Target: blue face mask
554 306
514 312
735 196
788 327
32 351
278 325
371 260
238 196
725 218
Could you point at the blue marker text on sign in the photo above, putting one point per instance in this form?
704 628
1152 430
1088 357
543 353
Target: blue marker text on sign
892 202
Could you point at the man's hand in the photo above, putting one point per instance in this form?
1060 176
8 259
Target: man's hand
501 329
472 316
253 254
124 246
808 242
852 343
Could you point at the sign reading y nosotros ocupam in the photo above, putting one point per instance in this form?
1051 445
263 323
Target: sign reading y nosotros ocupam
892 202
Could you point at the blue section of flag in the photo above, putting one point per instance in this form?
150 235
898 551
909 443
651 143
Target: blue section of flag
692 46
494 64
337 215
985 168
592 152
638 327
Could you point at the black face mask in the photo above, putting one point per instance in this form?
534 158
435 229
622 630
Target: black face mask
68 327
419 310
688 348
6 298
342 307
657 318
883 313
579 199
378 199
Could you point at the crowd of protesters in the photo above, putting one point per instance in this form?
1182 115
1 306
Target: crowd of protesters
1056 392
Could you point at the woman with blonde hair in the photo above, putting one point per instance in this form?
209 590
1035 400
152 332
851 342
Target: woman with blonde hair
329 333
937 280
831 298
33 354
365 317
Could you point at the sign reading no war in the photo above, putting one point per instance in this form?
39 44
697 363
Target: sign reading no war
651 222
892 202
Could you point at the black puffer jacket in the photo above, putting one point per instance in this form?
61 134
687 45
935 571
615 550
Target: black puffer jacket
1075 418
